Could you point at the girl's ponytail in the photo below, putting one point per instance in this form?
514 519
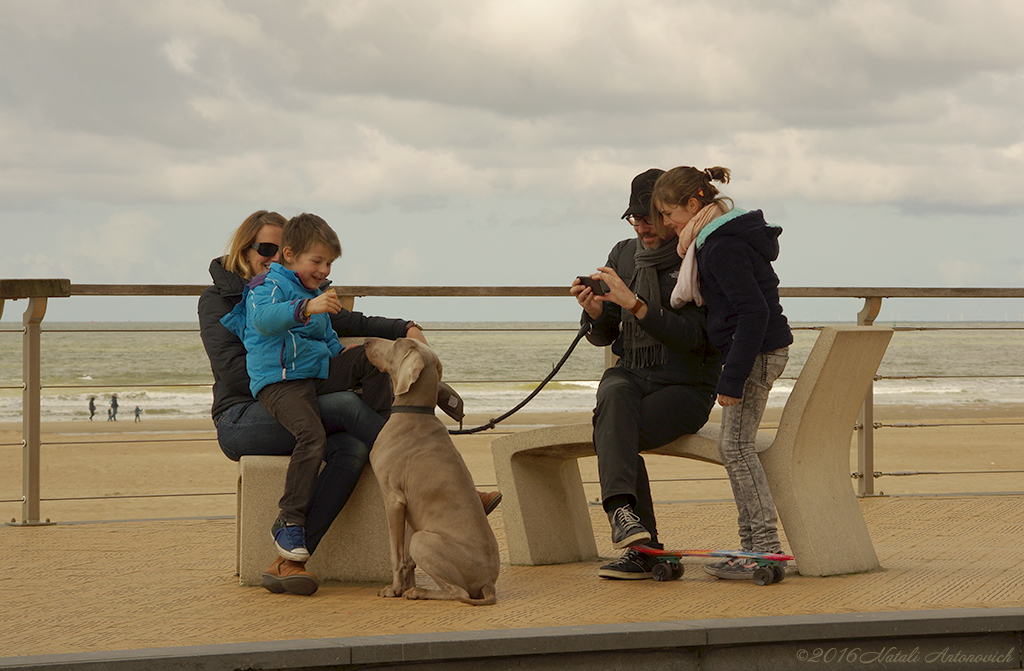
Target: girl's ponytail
717 174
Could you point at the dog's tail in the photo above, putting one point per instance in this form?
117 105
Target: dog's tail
487 597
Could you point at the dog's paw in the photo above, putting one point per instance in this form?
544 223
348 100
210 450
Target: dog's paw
414 593
389 591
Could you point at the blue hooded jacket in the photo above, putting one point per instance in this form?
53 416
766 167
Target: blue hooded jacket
734 261
279 343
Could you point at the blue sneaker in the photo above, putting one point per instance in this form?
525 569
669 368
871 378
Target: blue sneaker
290 540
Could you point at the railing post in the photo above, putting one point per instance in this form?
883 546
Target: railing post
866 437
37 292
30 406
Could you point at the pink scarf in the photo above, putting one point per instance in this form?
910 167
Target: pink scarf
687 289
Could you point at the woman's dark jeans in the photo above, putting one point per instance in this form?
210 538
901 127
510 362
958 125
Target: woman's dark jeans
247 429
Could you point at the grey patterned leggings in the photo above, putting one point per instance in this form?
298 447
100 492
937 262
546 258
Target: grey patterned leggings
757 517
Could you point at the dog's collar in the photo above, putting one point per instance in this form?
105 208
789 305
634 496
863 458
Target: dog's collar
416 409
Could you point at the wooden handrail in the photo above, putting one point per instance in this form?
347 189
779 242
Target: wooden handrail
366 290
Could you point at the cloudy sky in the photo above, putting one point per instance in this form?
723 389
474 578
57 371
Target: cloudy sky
475 142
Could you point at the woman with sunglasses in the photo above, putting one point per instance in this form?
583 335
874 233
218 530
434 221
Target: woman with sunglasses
244 427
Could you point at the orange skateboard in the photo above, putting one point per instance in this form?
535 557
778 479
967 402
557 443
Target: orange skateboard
669 567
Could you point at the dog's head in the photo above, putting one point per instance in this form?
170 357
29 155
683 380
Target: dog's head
413 367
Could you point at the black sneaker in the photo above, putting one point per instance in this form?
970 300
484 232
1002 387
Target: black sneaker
626 528
632 565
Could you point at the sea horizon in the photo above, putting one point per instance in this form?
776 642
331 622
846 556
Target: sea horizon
162 366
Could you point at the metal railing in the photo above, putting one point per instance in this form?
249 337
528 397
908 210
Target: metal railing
38 291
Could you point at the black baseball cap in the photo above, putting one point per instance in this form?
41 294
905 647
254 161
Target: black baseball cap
640 193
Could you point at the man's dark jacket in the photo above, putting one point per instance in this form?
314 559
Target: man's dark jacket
691 358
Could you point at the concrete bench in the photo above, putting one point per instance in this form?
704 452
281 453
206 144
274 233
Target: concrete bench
354 549
807 461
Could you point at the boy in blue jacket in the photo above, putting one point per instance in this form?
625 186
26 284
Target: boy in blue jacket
293 355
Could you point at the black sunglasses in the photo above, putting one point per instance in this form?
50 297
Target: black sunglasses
267 249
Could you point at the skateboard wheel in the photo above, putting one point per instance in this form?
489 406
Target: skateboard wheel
677 571
763 575
779 573
662 571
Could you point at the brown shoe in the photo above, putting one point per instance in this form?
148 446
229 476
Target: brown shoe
490 501
285 575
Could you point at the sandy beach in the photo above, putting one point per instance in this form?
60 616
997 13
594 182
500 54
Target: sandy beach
175 466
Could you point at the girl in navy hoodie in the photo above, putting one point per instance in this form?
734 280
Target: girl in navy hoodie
727 263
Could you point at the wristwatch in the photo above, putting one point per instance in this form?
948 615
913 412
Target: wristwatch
412 324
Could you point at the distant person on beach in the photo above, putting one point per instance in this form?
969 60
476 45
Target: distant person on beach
138 413
110 414
92 407
244 427
113 407
663 385
727 262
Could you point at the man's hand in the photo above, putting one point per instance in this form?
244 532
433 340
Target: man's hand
618 292
586 298
726 401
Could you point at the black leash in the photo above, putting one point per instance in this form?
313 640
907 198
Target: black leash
584 330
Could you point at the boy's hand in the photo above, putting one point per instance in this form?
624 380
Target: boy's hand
328 301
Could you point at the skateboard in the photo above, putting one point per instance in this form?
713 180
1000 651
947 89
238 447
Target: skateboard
669 567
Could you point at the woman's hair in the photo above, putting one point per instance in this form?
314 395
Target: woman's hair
235 261
305 230
679 185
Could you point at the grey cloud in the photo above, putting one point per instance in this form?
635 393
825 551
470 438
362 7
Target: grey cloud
361 103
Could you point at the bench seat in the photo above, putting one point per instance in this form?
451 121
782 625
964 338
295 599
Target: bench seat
354 549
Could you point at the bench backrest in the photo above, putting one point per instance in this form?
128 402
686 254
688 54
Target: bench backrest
827 396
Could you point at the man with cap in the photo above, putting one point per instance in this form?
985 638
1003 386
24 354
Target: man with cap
661 387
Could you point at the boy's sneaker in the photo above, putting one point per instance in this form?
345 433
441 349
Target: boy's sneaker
626 528
290 540
632 565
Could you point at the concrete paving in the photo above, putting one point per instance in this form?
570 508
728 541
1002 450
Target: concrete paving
88 588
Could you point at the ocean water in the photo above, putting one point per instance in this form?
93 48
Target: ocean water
162 367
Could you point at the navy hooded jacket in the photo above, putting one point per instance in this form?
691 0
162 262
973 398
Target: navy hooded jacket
734 261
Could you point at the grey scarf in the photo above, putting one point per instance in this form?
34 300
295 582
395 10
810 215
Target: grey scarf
639 349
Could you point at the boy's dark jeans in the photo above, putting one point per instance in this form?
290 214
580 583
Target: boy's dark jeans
293 403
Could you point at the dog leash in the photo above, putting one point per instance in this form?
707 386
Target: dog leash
584 330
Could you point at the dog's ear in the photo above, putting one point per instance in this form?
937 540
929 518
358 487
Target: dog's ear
408 371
